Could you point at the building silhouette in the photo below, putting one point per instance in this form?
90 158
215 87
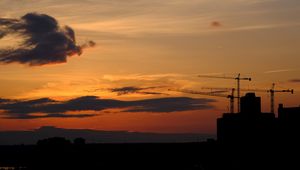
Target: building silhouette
250 125
289 124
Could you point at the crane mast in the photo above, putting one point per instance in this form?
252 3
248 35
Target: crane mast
231 97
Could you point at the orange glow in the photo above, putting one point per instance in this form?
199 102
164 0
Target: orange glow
162 44
177 122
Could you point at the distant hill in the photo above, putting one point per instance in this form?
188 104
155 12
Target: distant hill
96 136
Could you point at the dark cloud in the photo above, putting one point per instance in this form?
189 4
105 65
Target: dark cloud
28 109
54 115
44 40
171 104
152 93
295 80
216 24
133 89
4 100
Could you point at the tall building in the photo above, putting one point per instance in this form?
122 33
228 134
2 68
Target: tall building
250 125
250 104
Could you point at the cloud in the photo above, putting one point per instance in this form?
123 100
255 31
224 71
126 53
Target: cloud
216 24
170 104
46 108
152 93
54 115
278 71
32 109
4 100
44 40
261 27
133 89
295 80
141 77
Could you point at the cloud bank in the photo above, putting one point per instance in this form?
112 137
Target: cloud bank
46 108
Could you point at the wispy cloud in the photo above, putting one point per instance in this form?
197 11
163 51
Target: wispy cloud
148 77
261 26
278 71
170 80
73 84
295 80
133 89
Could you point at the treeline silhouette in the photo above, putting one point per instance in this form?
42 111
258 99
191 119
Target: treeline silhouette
96 136
60 153
59 142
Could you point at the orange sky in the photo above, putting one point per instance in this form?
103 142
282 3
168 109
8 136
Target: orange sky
146 43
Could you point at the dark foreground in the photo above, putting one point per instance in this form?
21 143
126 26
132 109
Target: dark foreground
203 156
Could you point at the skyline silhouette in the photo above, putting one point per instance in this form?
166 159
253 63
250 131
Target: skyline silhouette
240 136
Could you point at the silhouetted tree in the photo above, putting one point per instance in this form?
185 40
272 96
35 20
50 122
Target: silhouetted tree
54 142
79 141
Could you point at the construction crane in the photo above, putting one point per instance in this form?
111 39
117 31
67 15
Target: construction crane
272 92
272 95
224 90
212 93
238 79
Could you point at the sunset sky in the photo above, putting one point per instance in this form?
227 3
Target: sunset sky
143 48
